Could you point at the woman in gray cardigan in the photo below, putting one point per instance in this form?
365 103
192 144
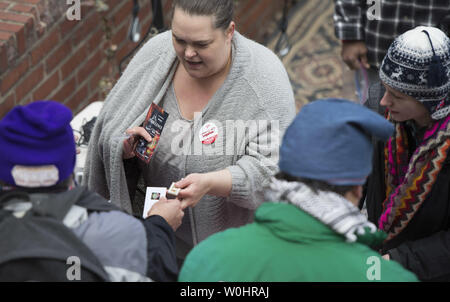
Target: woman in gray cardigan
229 101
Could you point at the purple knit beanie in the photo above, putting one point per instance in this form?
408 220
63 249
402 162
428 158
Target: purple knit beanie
37 147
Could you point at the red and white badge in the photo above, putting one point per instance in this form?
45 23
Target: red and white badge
208 133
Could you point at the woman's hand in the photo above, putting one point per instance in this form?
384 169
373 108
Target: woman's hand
196 185
170 210
128 144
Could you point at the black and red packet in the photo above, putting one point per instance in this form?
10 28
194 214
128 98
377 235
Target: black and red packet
154 124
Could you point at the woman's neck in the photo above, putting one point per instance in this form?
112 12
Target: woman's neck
423 121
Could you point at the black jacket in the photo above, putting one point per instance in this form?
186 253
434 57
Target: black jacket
423 246
108 241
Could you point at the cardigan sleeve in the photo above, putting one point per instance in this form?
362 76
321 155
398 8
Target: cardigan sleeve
253 171
94 171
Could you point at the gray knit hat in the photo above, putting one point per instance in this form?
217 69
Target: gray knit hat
418 64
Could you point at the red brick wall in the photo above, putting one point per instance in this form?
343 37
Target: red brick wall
43 55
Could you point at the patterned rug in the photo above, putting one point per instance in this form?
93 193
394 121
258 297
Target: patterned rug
313 63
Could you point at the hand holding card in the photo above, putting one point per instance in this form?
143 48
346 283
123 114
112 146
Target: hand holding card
154 125
157 204
152 196
130 140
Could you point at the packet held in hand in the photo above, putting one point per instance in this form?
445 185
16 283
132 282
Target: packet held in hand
172 193
152 196
153 124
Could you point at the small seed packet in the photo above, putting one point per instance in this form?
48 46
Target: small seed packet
152 196
154 124
172 193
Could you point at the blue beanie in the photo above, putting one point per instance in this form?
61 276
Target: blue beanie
37 135
329 140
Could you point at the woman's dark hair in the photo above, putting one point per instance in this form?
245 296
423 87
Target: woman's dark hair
222 10
315 185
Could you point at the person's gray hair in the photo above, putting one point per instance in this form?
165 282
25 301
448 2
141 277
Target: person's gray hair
222 10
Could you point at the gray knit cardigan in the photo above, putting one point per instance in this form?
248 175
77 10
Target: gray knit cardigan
257 88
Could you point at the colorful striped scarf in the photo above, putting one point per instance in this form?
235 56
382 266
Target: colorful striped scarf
409 179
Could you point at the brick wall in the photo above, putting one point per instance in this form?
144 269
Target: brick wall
43 55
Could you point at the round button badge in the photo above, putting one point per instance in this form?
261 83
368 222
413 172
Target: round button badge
208 133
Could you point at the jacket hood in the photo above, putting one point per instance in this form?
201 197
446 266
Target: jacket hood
293 224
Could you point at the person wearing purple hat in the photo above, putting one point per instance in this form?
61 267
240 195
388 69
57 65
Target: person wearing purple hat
37 159
309 227
408 193
38 148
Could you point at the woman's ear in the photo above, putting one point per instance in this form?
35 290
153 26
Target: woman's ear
354 195
230 30
358 191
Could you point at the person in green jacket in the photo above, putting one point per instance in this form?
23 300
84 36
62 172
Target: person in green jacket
309 228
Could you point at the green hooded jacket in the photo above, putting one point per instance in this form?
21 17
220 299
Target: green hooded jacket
286 244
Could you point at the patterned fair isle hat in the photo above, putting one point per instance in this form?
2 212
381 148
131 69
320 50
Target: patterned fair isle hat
418 64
